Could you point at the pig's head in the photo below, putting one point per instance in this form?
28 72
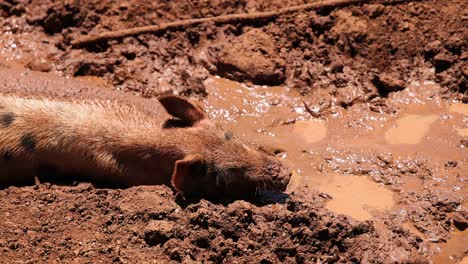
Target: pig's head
217 164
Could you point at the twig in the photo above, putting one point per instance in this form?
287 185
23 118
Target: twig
225 19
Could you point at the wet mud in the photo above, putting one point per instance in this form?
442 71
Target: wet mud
373 166
366 103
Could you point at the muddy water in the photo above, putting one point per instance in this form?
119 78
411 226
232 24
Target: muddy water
410 129
310 131
454 249
284 126
275 118
355 196
459 108
280 121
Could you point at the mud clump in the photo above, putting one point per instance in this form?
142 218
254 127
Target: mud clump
158 232
39 65
460 221
308 50
443 61
249 57
348 31
296 231
387 83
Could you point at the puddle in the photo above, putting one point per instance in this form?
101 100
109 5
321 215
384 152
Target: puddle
310 131
453 250
459 108
410 129
464 260
355 196
463 132
298 136
275 118
462 109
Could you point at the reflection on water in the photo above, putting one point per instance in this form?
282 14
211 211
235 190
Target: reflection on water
459 108
311 131
463 132
274 117
355 196
410 129
228 100
453 250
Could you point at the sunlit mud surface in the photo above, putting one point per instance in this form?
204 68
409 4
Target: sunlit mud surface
454 250
373 160
369 110
410 129
355 196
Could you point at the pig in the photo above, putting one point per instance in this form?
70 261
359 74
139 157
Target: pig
114 143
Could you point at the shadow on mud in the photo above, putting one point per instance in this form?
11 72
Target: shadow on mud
261 199
48 177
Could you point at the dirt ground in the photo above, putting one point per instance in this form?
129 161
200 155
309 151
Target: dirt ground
367 103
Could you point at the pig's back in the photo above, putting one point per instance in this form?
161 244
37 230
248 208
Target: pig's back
25 83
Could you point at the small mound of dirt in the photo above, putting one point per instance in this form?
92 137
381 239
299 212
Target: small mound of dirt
249 57
102 225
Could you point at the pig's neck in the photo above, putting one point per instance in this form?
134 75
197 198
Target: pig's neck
149 153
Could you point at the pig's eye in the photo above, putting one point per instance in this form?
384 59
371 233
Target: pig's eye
228 135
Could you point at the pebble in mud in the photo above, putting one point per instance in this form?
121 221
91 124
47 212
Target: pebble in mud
250 56
463 143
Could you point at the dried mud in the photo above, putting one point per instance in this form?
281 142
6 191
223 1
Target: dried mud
367 103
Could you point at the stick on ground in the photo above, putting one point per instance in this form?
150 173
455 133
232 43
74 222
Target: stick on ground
225 19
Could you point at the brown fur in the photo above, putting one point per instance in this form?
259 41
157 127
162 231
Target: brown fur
118 144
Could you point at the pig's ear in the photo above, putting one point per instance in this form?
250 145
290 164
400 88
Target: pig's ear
188 172
182 108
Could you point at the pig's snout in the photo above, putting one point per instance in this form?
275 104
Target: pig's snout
267 175
281 181
284 178
275 176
